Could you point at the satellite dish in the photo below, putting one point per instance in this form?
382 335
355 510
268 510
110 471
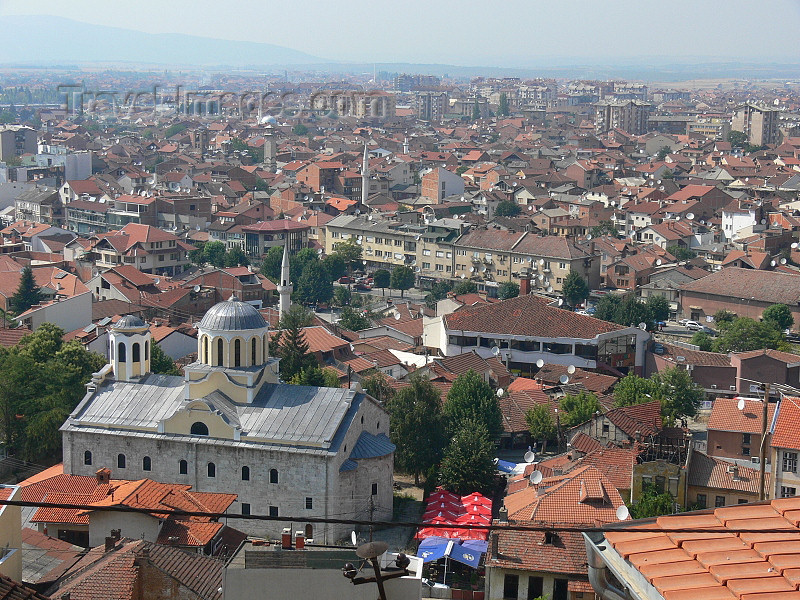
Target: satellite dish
495 461
397 316
371 549
772 263
529 457
196 288
463 276
588 237
560 301
643 326
550 289
794 245
783 261
540 363
763 221
354 538
740 404
678 218
623 512
541 261
536 477
658 262
500 392
714 249
472 269
495 350
690 216
156 281
563 379
571 369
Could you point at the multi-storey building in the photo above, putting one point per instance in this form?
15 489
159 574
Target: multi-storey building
260 237
386 244
432 106
758 123
16 140
39 204
629 115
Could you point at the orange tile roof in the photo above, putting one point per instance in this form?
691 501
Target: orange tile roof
726 416
729 564
787 424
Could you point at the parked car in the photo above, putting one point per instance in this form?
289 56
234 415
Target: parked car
362 287
345 279
683 322
694 326
658 348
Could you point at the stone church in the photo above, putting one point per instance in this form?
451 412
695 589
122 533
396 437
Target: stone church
229 425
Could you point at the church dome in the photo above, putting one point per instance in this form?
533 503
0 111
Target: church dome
129 322
232 315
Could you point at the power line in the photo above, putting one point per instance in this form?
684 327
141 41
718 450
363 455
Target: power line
617 527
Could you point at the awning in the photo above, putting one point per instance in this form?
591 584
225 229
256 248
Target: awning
467 553
432 548
465 556
504 465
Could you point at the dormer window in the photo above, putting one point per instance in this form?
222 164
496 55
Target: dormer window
199 428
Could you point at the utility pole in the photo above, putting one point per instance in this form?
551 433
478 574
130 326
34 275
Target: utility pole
763 448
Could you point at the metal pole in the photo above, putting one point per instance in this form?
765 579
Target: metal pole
763 447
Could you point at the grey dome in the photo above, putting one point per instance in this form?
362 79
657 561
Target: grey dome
232 315
129 322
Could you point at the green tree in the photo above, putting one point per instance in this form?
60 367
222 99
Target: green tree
607 306
296 317
381 279
214 253
402 279
507 208
579 408
350 251
540 423
633 389
465 286
376 384
658 306
662 153
604 228
314 286
746 334
471 398
502 108
235 257
300 129
317 377
416 426
293 349
779 316
299 261
196 254
439 291
476 111
354 320
468 465
334 266
652 503
680 396
174 130
271 264
42 344
703 341
342 296
160 362
575 288
737 139
723 318
631 312
680 253
508 289
27 294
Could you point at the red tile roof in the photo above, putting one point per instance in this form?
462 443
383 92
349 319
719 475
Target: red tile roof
527 551
707 471
787 425
643 418
528 316
726 416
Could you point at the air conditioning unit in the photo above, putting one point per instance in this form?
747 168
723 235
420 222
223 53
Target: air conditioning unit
733 388
713 386
547 270
755 460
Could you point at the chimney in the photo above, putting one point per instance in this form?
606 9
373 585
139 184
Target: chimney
286 538
116 534
503 515
110 543
299 540
142 557
495 542
103 475
735 471
525 285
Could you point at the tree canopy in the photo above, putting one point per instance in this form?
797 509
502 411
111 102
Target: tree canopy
28 293
354 320
578 408
417 427
681 253
507 208
465 286
779 316
745 334
575 288
377 385
160 362
314 286
381 279
439 291
674 388
471 398
402 279
508 289
652 503
468 465
540 423
292 347
659 307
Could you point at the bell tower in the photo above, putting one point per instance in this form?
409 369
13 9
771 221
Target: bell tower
130 346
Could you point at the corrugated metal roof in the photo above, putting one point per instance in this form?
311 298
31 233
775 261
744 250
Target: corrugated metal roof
371 446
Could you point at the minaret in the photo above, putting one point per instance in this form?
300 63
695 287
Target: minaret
365 177
405 145
285 286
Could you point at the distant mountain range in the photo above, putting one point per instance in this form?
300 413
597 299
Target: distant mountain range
43 39
55 42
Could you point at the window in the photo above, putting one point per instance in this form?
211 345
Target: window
273 475
309 503
701 500
121 352
245 473
719 501
237 353
439 254
510 586
788 492
742 501
426 253
183 467
136 352
205 349
535 587
374 489
199 428
606 428
219 352
560 589
147 350
245 508
745 451
87 458
147 464
745 438
426 265
273 511
212 470
120 461
790 462
253 351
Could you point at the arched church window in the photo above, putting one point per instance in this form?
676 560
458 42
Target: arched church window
219 352
121 352
183 467
199 428
212 470
273 475
237 353
205 349
147 464
147 350
87 457
245 473
136 352
120 461
253 351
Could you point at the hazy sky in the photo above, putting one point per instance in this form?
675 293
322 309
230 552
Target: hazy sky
469 32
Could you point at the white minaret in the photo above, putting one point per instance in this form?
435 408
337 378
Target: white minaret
365 177
285 286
